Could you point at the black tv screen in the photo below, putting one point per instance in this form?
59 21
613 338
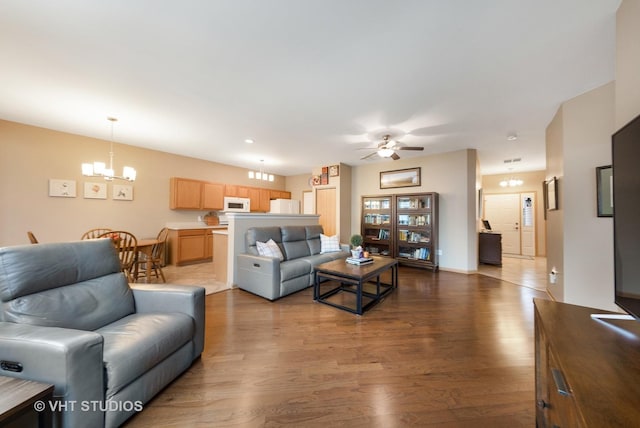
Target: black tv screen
626 216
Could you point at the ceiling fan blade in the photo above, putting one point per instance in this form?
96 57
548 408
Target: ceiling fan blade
369 155
395 156
409 148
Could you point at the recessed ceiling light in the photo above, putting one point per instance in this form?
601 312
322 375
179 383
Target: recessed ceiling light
512 136
249 141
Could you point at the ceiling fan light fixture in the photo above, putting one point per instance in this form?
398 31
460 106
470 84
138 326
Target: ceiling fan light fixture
385 152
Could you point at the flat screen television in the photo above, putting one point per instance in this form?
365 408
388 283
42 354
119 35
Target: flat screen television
625 145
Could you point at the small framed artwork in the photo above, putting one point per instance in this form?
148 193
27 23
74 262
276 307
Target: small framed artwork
604 183
409 177
551 187
324 177
334 170
62 188
122 192
95 190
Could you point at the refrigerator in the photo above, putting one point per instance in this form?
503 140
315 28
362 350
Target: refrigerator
285 206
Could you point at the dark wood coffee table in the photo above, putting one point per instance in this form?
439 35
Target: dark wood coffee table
25 403
362 281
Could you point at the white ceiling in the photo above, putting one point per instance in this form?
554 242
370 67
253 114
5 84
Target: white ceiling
311 81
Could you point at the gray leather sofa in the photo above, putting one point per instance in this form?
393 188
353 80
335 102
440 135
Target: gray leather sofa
69 318
268 276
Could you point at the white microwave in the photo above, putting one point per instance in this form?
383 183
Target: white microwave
236 205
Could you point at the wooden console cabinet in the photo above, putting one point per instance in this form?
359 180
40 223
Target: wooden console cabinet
587 371
490 248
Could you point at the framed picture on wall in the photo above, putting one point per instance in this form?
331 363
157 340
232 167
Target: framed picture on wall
604 184
122 192
95 190
551 187
62 188
409 177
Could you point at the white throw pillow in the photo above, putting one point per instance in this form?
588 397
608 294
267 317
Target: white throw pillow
269 249
329 244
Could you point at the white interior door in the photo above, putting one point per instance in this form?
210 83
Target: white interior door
503 213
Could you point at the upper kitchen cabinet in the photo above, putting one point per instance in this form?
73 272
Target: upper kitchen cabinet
212 196
188 194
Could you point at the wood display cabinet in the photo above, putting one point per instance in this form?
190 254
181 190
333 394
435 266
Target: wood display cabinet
402 226
416 226
377 213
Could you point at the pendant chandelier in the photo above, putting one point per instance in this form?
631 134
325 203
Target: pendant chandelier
260 175
99 169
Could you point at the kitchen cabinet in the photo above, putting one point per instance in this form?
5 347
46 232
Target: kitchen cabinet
235 190
190 246
279 194
188 194
212 196
185 194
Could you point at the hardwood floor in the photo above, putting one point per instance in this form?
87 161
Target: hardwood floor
444 349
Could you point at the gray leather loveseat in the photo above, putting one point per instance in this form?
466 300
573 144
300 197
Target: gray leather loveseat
271 278
69 318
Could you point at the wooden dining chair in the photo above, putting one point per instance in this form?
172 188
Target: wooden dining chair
126 245
32 237
95 233
157 258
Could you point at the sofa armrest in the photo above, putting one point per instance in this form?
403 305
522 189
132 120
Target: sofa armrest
259 275
174 298
69 359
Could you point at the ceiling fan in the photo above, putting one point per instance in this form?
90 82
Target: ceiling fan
387 149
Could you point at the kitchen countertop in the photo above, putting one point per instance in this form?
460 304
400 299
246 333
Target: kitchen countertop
193 225
220 232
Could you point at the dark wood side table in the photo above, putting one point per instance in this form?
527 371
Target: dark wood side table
18 400
490 248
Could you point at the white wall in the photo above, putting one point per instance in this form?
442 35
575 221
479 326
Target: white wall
627 62
588 239
580 244
453 176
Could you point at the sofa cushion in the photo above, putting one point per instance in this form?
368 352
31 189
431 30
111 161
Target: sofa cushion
138 342
294 268
28 269
262 234
269 249
87 305
313 238
294 241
